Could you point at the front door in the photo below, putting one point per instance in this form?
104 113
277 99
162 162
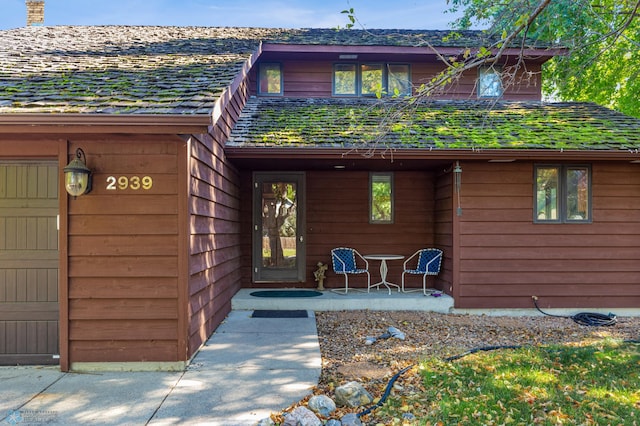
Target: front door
28 263
278 227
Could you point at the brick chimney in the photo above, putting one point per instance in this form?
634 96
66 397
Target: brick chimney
35 12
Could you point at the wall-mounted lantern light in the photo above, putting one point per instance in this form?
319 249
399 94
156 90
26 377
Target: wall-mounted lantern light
77 176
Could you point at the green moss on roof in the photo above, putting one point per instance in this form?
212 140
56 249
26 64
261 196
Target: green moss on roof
270 122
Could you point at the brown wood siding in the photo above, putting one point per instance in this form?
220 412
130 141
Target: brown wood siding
525 85
338 218
29 311
22 146
505 258
444 236
123 253
307 79
314 79
214 227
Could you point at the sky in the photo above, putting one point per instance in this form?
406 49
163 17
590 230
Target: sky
396 14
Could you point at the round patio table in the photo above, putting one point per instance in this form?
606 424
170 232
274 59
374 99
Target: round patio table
383 258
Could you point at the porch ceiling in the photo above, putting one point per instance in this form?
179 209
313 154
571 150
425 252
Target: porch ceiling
337 160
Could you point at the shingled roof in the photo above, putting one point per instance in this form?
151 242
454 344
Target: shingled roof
332 122
120 69
388 37
155 70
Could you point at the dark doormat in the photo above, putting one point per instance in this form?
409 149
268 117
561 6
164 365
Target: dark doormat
301 313
286 293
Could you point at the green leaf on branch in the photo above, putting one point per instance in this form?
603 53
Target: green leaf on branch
483 52
352 17
601 59
522 20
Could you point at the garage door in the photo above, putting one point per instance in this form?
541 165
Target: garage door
28 263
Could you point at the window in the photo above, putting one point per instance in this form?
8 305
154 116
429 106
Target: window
489 82
399 80
381 197
270 79
562 194
371 79
344 79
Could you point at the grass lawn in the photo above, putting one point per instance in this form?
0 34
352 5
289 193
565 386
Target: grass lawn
588 384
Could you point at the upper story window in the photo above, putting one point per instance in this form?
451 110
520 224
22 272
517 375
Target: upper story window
371 79
270 79
344 79
398 80
489 82
562 194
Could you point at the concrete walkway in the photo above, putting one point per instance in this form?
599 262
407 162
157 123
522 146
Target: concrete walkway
248 369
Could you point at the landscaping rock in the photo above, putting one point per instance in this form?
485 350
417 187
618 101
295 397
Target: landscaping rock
352 394
301 416
350 419
322 405
266 422
333 422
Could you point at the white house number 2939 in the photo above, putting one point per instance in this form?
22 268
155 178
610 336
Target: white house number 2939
135 183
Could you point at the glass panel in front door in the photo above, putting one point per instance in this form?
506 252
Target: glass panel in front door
277 240
279 224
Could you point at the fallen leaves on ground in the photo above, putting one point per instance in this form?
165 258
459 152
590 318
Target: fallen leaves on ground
345 357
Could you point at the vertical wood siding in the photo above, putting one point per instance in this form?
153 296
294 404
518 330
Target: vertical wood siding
123 254
29 312
314 79
505 258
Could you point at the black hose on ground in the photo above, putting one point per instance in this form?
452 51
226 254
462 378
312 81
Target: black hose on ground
591 319
395 377
482 349
386 393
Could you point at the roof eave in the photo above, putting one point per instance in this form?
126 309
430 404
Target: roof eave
107 123
427 50
492 155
